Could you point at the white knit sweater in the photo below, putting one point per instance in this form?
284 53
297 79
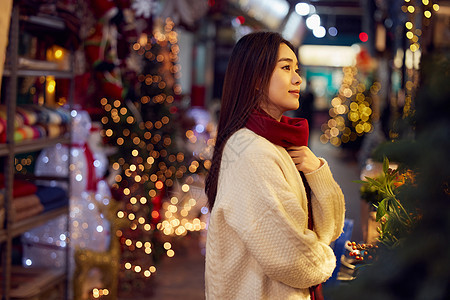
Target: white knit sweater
258 244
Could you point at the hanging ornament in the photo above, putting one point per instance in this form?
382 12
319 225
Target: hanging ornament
102 51
144 8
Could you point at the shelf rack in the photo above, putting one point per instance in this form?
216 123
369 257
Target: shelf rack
39 25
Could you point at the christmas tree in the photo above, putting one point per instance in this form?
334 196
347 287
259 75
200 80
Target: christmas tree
352 112
154 178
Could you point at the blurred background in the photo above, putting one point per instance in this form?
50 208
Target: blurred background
108 115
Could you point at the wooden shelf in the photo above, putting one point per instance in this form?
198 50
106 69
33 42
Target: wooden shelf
32 177
32 145
38 73
48 22
29 223
32 222
33 283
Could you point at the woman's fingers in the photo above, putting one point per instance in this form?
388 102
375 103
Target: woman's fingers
304 159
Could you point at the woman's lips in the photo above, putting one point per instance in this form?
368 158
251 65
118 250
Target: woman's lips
294 92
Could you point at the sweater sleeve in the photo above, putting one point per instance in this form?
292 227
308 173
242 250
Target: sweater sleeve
271 221
327 202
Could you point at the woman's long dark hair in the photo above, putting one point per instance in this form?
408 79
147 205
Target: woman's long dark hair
246 82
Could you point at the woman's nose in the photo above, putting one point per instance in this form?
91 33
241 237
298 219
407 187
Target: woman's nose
297 80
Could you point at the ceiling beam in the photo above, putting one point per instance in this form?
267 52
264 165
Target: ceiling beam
339 7
344 11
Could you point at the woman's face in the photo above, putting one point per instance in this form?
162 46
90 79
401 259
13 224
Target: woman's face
284 84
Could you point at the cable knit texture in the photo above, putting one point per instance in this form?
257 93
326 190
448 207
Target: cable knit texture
258 244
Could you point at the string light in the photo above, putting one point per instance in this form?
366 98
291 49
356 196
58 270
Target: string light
353 103
414 23
97 293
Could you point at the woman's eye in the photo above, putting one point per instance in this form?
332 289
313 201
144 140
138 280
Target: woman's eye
286 67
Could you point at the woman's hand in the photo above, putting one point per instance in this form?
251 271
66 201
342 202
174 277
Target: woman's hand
304 159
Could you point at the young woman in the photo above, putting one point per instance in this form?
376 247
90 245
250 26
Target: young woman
262 243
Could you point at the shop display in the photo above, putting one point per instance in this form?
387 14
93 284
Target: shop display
35 122
32 118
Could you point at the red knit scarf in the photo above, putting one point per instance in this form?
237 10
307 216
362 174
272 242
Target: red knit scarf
286 133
